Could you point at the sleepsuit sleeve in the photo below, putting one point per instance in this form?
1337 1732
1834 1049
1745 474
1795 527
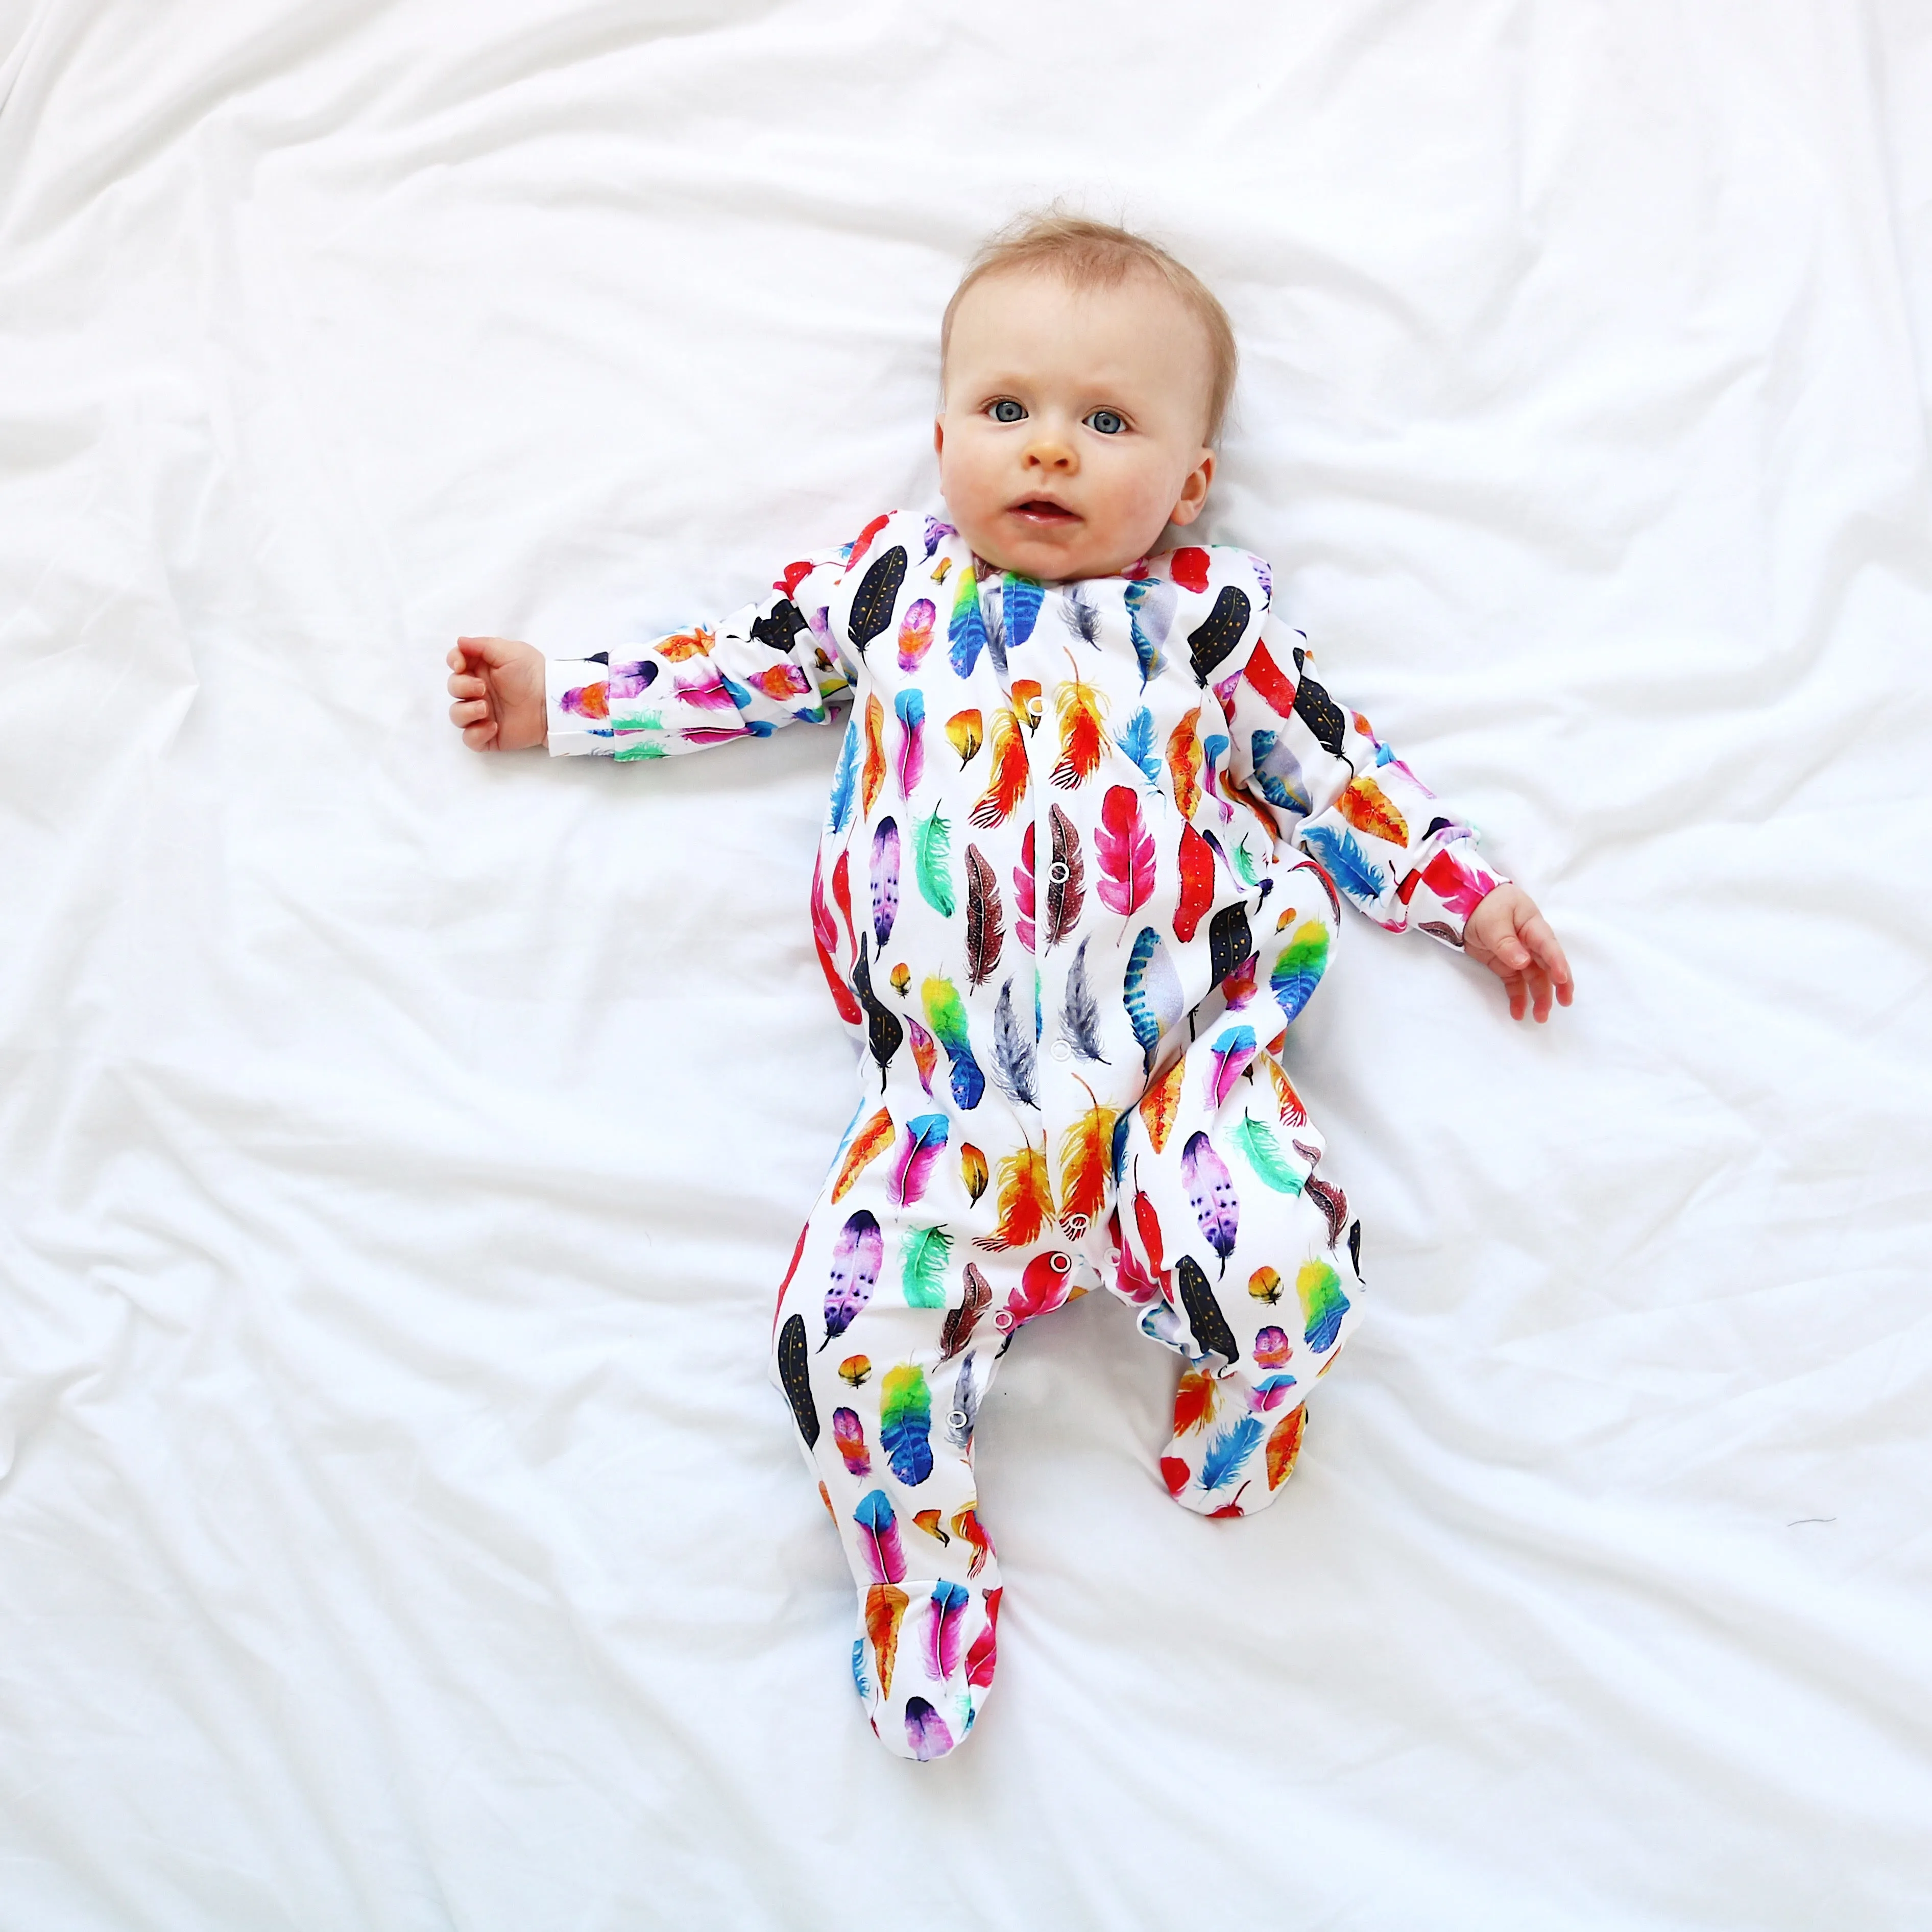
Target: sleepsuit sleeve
1336 790
777 662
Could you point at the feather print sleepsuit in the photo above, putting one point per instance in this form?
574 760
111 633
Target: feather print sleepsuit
1082 868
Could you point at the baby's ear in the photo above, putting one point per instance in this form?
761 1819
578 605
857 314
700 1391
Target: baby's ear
939 435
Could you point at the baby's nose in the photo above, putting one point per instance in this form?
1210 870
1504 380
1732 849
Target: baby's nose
1050 452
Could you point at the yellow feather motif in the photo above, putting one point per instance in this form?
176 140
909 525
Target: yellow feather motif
1025 1198
1084 1165
1184 762
875 754
1160 1103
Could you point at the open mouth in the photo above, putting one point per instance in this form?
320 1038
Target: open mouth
1037 510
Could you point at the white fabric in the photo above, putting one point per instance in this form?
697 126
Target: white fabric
396 1529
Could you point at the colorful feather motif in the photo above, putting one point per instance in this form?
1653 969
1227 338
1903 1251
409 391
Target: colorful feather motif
1025 1199
966 732
795 1376
980 1660
1367 808
1284 1445
1008 783
1293 1113
1194 1402
1151 992
842 893
885 1607
1066 881
873 775
868 1144
909 767
825 939
1229 1058
1210 1193
1342 858
1277 773
1151 604
932 863
1019 607
853 1272
1080 613
919 1153
884 1034
945 1014
927 1735
916 633
966 629
961 1322
924 1054
1276 687
1023 888
1086 1165
1081 712
972 1175
1013 1058
1208 1325
1126 849
1332 1202
905 1425
986 929
946 1629
885 880
849 1434
878 591
1262 1152
1184 763
1229 1452
1080 1011
878 1527
1045 1284
922 1259
845 780
1196 867
1161 1103
1319 1288
1298 970
1137 742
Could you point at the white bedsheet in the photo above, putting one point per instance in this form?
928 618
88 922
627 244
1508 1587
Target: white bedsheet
396 1528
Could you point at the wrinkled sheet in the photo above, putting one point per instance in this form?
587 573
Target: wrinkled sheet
396 1528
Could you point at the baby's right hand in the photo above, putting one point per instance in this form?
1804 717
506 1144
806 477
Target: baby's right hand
498 685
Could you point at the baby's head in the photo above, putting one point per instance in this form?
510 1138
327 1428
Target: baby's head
1084 373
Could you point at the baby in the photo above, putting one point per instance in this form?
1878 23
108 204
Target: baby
1090 829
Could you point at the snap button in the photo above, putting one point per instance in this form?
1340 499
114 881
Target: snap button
1061 1050
1057 872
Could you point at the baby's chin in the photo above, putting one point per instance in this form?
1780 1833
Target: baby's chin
1060 557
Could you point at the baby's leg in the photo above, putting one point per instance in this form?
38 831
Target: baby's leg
882 1353
1241 1259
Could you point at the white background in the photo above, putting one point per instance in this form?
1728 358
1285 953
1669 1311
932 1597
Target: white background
399 1150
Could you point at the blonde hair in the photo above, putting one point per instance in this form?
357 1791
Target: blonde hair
1096 255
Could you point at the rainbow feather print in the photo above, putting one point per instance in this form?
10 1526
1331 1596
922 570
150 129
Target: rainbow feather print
905 1424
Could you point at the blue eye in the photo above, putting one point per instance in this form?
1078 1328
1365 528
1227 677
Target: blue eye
1108 422
1006 410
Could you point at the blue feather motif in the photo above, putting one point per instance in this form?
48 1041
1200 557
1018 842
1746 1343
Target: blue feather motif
1151 992
1137 741
846 783
966 635
1119 1156
1228 1451
1151 599
1345 862
1020 602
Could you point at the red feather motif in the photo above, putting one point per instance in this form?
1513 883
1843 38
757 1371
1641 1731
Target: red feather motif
825 937
1009 782
1197 883
1023 891
841 891
985 1653
1082 732
1188 568
1267 677
1126 847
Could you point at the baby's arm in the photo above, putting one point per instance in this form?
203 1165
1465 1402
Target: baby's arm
1407 860
769 664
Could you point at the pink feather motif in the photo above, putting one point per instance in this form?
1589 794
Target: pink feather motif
946 1628
878 1530
1232 1055
1023 892
925 1140
1210 1193
1126 847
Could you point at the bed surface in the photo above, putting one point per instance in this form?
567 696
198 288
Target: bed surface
396 1528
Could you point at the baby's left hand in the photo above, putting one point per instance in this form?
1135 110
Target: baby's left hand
1508 935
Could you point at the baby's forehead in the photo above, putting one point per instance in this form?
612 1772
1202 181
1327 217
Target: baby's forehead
1013 313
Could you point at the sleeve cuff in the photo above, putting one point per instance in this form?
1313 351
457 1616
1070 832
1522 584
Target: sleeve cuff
577 707
1442 894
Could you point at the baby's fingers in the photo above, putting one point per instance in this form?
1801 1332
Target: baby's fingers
472 711
1543 943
